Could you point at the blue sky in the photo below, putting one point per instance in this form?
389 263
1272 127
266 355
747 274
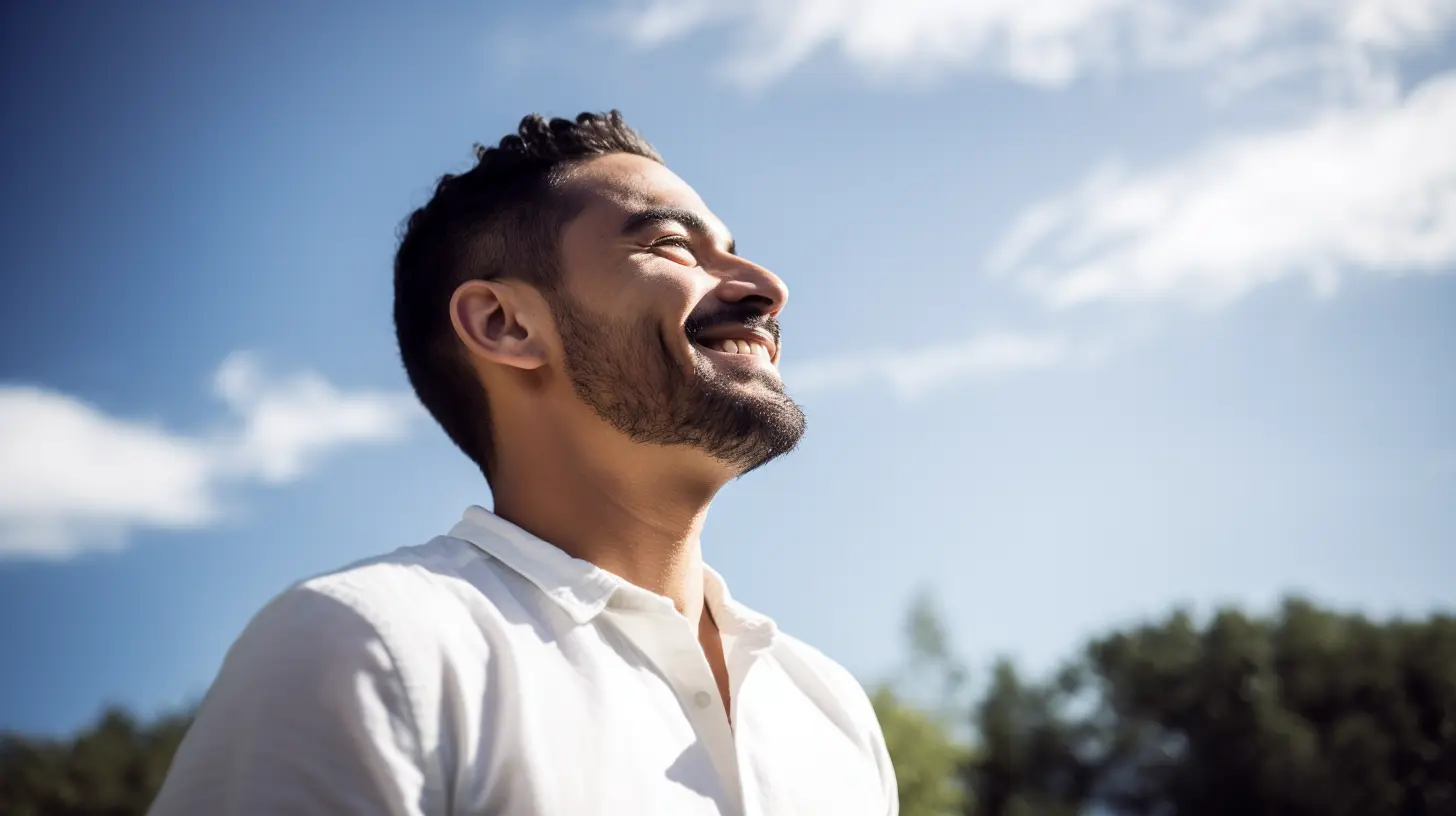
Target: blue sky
1098 307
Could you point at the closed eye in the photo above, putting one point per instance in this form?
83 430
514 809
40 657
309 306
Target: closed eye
684 254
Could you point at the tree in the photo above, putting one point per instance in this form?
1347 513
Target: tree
1308 712
927 761
1026 763
919 712
1303 713
113 768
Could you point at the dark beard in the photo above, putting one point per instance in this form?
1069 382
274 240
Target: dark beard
627 374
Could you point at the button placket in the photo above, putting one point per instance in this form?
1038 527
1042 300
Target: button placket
666 639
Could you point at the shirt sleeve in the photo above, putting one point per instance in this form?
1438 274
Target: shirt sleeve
309 715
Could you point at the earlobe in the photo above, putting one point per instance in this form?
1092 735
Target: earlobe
495 322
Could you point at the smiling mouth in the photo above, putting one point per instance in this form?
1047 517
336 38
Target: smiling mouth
751 348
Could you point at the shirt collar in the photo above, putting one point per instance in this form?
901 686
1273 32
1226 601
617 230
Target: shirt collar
582 588
732 617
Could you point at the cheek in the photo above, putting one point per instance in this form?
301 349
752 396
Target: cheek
676 292
655 299
667 301
659 290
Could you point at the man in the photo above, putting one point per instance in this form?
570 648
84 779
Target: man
582 327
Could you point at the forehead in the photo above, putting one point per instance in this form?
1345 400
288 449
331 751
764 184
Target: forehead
611 188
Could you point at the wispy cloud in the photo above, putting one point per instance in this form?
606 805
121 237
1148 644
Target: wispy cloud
288 424
1051 42
912 373
1360 191
73 478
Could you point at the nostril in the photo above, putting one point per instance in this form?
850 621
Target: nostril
763 301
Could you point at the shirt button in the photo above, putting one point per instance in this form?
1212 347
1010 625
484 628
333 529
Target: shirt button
702 699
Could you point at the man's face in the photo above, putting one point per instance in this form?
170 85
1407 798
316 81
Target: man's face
666 333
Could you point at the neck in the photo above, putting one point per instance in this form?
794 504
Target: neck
636 511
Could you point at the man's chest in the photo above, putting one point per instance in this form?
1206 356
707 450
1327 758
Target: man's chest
615 734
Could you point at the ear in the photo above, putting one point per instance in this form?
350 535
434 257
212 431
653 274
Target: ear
500 321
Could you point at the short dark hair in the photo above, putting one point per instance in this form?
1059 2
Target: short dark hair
500 219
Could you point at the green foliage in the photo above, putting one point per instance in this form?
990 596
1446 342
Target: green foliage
1303 713
113 768
1310 712
927 761
1027 762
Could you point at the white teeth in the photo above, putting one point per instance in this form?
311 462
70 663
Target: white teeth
740 347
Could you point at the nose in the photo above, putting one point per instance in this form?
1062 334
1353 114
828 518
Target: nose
741 280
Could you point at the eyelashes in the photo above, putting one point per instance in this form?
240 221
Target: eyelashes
680 243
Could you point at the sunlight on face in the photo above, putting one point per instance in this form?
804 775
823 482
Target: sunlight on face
667 334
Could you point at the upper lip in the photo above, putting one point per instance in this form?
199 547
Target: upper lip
732 332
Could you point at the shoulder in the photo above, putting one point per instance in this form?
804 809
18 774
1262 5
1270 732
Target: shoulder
837 680
426 605
399 623
378 612
841 697
344 665
400 583
413 611
844 700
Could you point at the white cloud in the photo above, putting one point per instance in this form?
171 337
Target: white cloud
912 373
289 424
1047 42
1369 190
69 472
73 478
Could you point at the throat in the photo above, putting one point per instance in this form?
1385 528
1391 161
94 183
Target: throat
641 529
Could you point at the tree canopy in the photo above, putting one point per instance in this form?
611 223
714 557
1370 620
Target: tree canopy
1306 712
113 768
1302 712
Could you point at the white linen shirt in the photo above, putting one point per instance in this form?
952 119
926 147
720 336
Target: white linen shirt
488 672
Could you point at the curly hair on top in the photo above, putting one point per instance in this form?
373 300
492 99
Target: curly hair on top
500 219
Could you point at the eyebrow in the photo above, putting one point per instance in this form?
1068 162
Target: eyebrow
651 216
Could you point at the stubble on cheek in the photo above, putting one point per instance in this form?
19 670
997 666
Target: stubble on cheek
632 373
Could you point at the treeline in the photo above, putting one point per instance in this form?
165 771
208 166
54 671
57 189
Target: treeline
1307 712
113 768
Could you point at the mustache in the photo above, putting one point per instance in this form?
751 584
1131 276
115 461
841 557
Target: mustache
747 315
